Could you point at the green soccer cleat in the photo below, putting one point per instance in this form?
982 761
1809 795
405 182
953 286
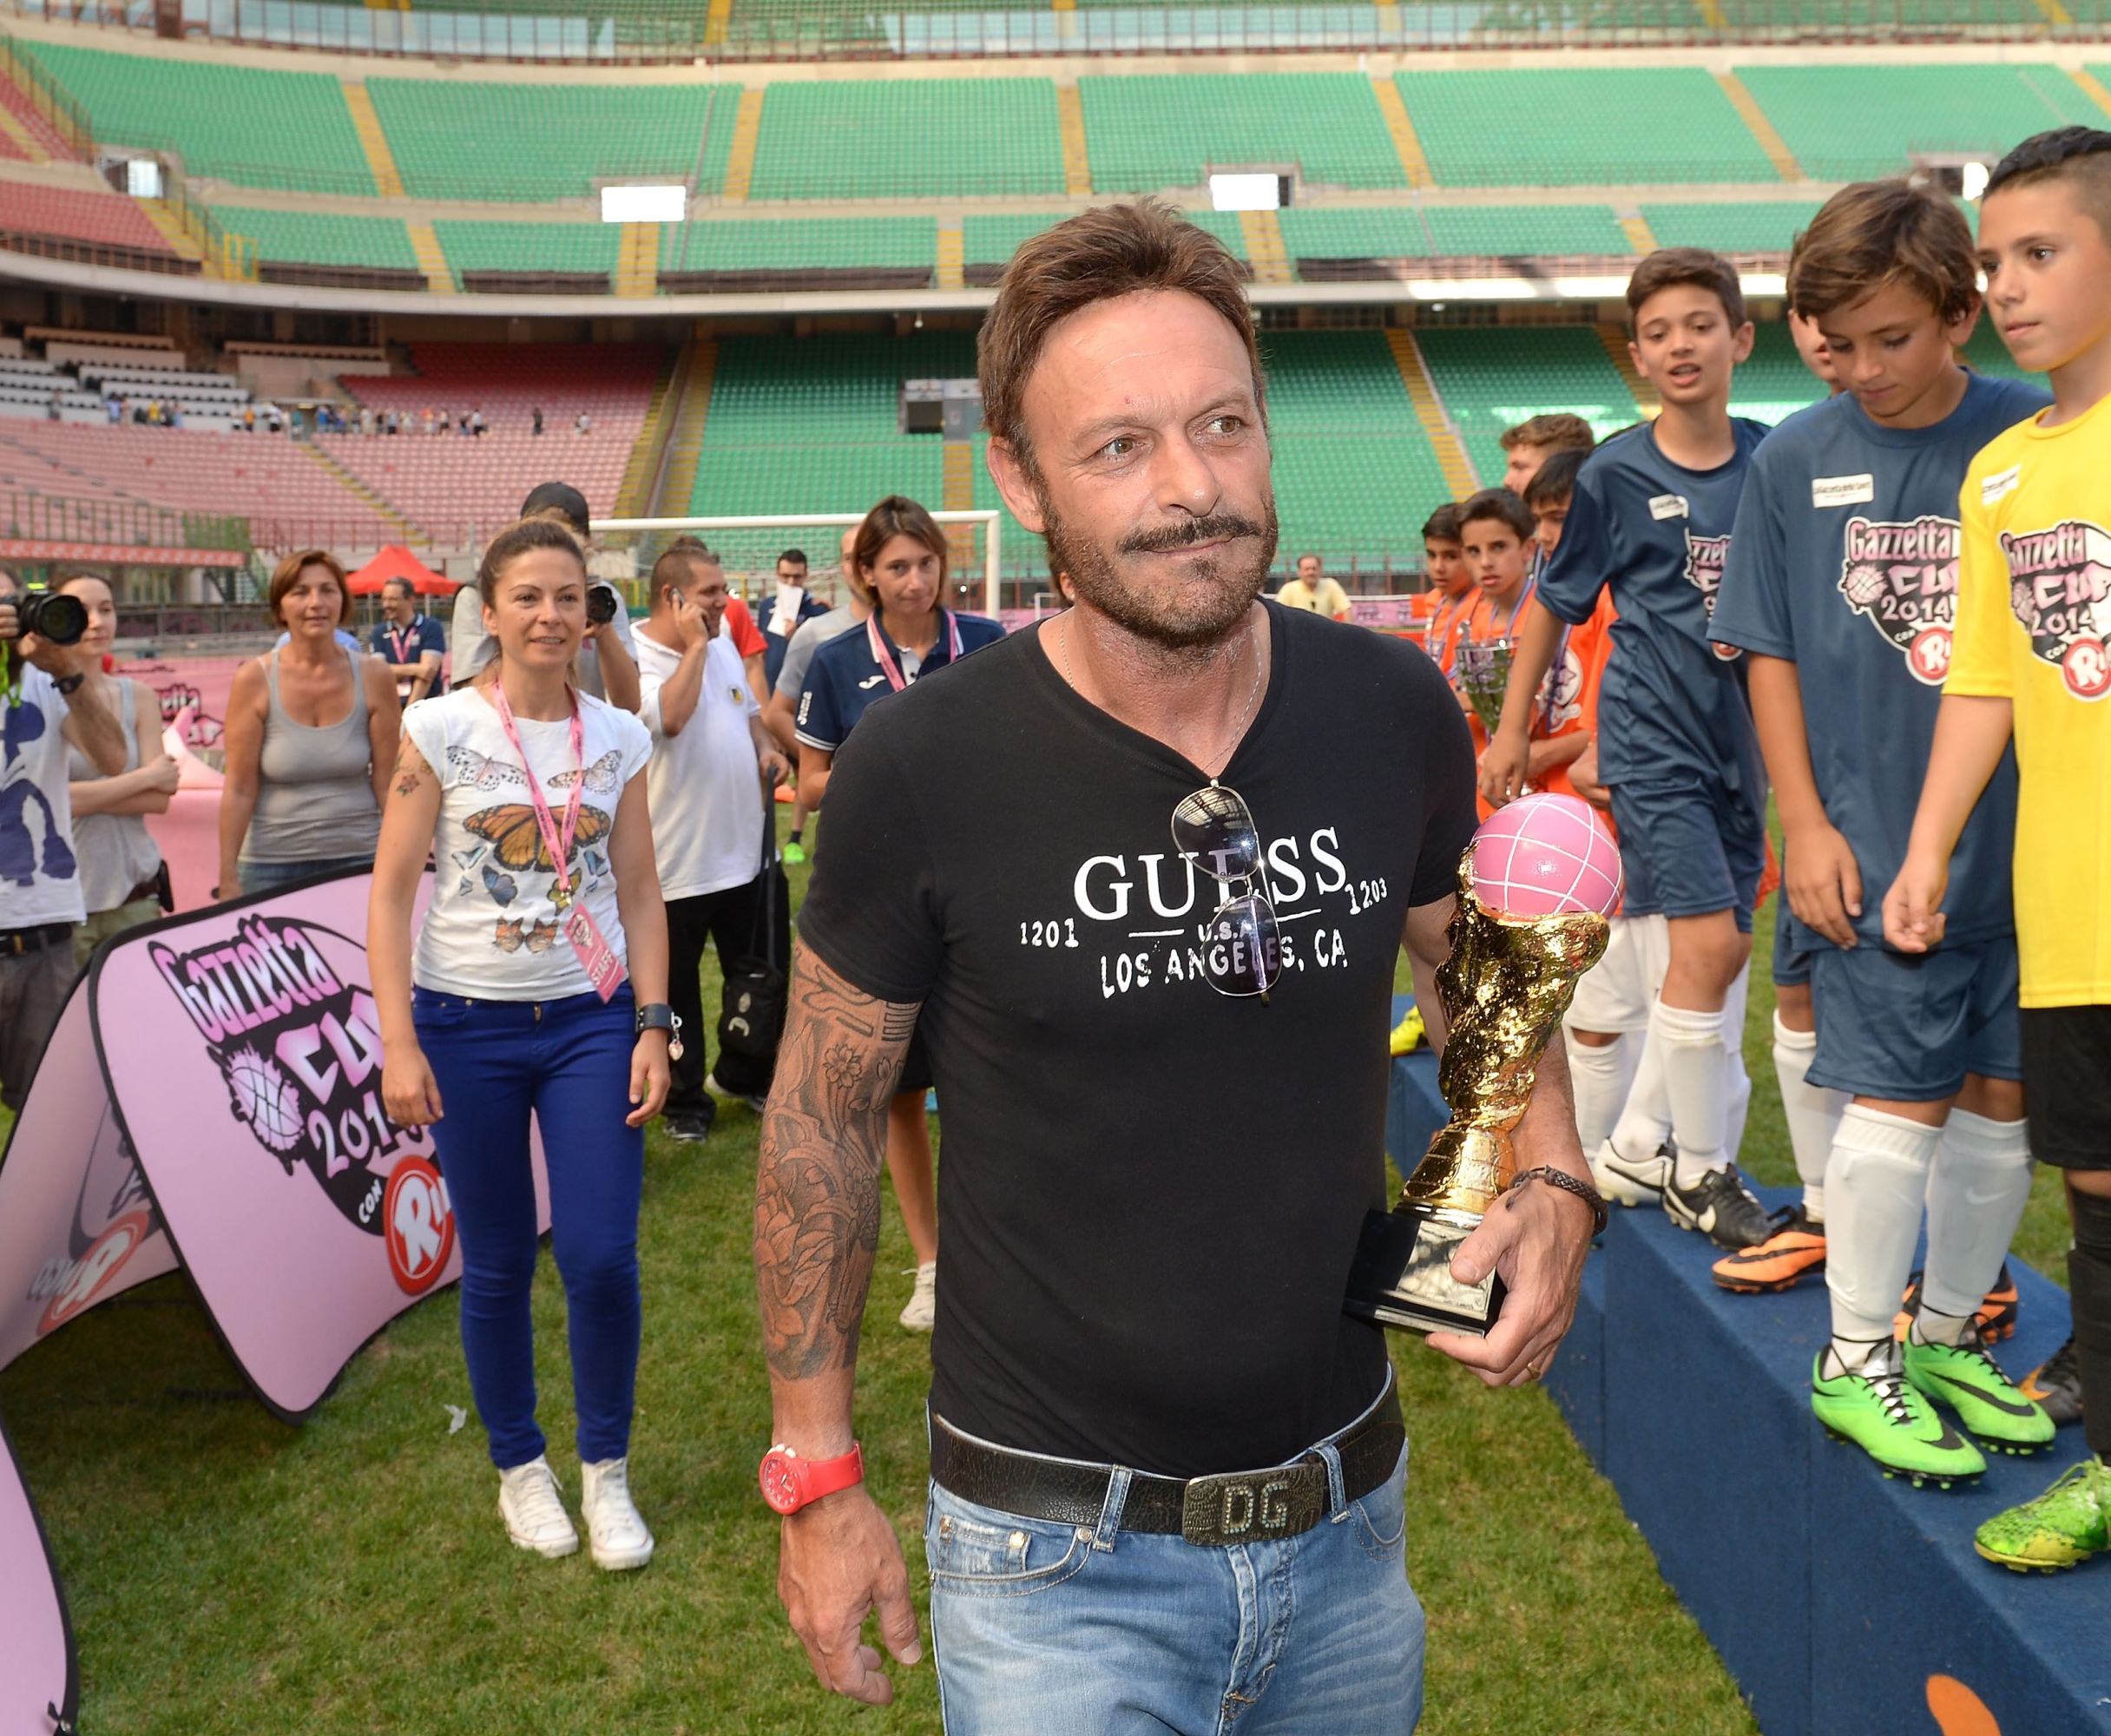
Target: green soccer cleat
1877 1409
2068 1524
1963 1376
795 852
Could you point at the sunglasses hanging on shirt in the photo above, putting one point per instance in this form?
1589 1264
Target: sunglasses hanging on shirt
1243 955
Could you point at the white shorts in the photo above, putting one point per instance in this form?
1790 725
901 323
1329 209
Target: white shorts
1616 993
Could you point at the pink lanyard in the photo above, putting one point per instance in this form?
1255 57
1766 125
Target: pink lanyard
560 848
396 642
884 657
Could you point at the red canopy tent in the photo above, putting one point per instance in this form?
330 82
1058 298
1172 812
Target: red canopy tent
396 562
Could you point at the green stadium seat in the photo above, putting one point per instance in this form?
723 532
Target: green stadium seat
1564 128
1402 232
321 238
1857 123
891 138
558 257
989 242
1144 134
794 252
1766 227
534 142
1492 380
254 129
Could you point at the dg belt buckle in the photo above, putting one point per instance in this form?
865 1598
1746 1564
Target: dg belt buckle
1254 1506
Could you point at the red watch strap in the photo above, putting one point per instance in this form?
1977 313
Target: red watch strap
790 1483
825 1477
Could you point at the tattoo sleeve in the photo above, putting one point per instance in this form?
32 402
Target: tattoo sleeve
817 1192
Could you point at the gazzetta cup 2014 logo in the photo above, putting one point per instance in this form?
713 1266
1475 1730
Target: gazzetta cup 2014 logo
1706 558
299 1046
2060 589
1902 578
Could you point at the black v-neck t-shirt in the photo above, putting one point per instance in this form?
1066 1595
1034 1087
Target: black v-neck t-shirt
1149 1192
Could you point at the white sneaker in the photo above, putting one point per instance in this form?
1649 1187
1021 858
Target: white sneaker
923 1309
1632 1181
614 1527
534 1516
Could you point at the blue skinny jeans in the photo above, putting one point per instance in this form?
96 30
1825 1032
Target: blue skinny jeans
568 1062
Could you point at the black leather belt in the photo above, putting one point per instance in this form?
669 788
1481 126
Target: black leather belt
1241 1507
14 942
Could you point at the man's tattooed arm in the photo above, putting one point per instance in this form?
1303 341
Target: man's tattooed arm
816 1193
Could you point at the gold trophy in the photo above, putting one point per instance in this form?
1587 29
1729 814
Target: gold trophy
1504 988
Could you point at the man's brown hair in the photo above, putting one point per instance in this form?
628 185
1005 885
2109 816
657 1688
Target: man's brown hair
1500 505
1878 233
1670 266
1098 255
287 573
678 564
1557 431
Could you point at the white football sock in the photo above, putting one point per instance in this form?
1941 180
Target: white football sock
1645 1119
1812 1113
1734 1047
1876 1184
1978 1188
1697 1081
1598 1075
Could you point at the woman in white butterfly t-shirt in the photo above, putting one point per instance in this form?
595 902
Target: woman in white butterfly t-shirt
539 983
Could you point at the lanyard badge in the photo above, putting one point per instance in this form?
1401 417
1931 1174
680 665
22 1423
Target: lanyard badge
883 653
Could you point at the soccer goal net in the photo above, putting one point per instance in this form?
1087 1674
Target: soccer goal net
748 547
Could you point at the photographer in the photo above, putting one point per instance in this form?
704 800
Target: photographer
607 666
46 712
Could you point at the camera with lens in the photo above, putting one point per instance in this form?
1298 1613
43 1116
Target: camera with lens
55 616
601 604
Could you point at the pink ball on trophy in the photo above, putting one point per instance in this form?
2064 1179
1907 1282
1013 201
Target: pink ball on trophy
1546 855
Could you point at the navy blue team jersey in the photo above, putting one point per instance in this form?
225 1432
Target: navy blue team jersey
844 677
1671 707
1844 563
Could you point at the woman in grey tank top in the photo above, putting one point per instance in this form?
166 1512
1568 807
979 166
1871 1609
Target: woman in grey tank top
120 864
311 742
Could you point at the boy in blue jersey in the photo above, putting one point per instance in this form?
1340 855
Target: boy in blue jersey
1651 518
1840 589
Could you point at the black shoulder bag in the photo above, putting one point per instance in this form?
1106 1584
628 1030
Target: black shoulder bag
752 1007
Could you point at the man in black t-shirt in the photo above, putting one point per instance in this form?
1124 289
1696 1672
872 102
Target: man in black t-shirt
1154 1172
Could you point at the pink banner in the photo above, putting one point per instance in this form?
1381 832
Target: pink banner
39 1679
211 1097
198 685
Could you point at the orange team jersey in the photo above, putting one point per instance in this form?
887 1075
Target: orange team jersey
1445 619
741 627
1568 700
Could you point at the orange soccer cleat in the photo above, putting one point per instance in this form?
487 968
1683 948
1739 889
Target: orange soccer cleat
1996 1318
1793 1252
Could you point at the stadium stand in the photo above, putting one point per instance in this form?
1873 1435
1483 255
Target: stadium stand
255 128
565 258
38 134
535 142
456 487
988 243
1492 380
103 219
794 252
908 139
312 247
1148 133
1609 125
1760 227
1850 122
1336 241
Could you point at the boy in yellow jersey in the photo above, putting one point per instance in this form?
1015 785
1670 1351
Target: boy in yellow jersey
2029 659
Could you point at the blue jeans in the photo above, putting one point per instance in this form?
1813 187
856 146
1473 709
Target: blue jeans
277 876
568 1060
1038 1627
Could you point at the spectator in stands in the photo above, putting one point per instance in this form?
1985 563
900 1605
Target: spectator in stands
1312 591
780 709
424 420
901 555
46 714
538 419
584 425
1452 580
122 881
310 737
1526 447
779 616
408 640
475 422
608 662
708 808
499 1016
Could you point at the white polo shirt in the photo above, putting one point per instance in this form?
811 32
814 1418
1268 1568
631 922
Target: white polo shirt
705 792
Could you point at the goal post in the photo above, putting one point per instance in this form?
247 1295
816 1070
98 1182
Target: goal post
740 541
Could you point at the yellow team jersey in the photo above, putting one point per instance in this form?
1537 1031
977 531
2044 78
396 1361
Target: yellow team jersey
1324 598
2033 626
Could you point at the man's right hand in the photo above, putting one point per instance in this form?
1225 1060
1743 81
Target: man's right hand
839 1561
689 623
1504 765
1823 883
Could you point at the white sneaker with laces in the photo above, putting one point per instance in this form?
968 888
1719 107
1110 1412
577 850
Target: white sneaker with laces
923 1309
534 1516
1629 1180
614 1529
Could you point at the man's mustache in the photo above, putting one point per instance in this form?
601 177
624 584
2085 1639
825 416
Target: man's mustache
1212 528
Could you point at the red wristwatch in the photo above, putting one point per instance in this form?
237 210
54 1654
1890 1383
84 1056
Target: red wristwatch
790 1483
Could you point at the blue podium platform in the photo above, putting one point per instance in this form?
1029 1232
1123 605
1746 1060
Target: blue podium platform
1833 1593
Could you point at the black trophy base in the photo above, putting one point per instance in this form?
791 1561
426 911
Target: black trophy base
1402 1277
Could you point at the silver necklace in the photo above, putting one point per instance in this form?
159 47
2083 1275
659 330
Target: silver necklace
1244 717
